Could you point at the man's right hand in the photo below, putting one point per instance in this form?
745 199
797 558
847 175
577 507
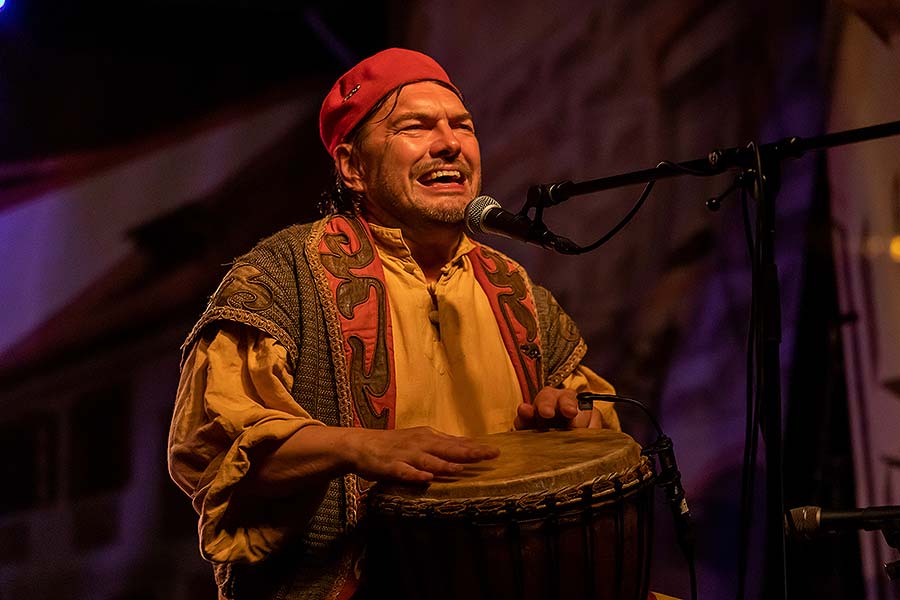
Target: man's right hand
318 453
416 454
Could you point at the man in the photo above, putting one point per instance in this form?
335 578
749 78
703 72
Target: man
367 346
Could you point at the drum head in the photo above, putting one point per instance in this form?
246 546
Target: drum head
533 461
559 514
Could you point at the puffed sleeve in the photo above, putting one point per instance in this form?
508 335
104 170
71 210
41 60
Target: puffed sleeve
233 396
584 379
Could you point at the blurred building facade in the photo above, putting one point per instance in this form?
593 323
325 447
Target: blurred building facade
87 394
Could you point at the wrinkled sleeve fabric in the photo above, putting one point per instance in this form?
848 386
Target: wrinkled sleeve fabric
584 379
233 396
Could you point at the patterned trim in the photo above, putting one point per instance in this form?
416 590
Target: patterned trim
564 347
356 282
569 366
228 313
345 583
242 295
512 301
332 322
335 341
224 578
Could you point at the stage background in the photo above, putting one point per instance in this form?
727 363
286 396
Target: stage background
134 166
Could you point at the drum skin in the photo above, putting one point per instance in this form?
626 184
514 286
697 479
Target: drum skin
559 514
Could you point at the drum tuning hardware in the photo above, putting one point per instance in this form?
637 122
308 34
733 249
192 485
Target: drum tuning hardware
669 478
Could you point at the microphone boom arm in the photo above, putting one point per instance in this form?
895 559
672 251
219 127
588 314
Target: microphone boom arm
761 164
715 163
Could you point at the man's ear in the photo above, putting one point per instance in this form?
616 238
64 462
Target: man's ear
349 168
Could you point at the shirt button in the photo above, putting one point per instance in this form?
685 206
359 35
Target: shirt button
434 317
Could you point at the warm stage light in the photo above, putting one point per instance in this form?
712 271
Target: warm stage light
894 248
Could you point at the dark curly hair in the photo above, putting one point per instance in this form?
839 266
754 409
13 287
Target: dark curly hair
338 199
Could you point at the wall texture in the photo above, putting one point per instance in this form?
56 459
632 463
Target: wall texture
579 91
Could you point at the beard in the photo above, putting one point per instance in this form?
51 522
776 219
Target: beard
416 208
450 214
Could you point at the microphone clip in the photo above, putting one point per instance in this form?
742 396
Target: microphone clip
669 480
539 197
550 194
892 538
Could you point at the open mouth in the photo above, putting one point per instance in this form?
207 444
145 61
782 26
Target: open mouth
442 176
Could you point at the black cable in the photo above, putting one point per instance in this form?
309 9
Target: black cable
765 327
669 479
755 348
748 471
577 250
683 169
585 400
753 382
692 570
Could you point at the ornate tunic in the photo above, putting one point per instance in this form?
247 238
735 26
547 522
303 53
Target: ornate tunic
319 290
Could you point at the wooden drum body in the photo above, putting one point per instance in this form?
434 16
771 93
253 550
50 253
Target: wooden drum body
560 514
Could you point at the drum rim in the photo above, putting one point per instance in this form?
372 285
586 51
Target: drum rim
599 491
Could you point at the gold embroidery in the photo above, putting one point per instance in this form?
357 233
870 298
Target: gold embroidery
342 385
244 288
351 292
512 306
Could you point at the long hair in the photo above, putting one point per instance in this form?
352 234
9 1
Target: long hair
339 199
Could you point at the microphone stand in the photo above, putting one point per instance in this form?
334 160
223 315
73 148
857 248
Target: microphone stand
807 522
760 173
892 569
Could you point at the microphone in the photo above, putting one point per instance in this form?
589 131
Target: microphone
485 215
808 521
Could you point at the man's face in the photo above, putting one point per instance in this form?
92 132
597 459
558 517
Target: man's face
419 163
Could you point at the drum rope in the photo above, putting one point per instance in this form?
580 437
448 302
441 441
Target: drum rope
603 489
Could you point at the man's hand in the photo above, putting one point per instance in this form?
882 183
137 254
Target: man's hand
554 407
416 454
317 453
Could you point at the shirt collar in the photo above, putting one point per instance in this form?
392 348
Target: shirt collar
390 242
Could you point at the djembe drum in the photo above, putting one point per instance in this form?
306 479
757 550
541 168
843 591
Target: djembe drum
559 514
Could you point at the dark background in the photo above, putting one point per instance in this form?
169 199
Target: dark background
79 75
86 76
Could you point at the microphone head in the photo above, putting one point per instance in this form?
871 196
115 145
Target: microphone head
803 521
475 213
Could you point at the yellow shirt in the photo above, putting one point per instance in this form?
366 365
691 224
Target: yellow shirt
453 373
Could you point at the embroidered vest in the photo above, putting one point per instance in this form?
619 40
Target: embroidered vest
319 290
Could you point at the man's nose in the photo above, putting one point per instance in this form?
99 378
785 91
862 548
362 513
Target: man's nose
445 142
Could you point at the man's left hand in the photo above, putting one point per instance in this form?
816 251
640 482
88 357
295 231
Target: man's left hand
554 408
